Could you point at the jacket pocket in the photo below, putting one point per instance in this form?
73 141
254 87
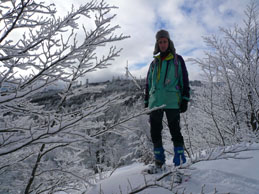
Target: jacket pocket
173 97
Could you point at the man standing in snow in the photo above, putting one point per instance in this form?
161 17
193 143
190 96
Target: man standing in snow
167 84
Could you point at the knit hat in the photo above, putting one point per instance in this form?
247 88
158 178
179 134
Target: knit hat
163 34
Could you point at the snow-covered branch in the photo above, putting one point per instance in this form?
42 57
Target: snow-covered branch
39 50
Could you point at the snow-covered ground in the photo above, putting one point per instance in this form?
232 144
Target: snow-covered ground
239 175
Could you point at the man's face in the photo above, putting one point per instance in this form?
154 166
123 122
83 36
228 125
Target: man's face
163 44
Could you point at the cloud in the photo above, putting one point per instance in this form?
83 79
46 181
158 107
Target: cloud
186 20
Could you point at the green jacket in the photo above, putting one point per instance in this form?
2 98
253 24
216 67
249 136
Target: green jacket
165 86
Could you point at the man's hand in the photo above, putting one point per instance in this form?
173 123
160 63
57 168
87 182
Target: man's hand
184 106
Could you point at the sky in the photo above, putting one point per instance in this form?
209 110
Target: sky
187 21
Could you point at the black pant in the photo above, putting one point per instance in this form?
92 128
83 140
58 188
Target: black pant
173 119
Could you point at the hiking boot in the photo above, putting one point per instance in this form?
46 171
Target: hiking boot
159 156
155 168
159 164
179 157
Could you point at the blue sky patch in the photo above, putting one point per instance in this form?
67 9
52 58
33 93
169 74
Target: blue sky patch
160 23
137 66
190 51
186 8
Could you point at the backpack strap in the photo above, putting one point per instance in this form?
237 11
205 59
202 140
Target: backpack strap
153 64
167 64
176 64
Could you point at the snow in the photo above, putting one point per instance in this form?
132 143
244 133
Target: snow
230 175
226 175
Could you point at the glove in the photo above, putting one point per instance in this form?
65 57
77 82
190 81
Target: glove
179 157
184 106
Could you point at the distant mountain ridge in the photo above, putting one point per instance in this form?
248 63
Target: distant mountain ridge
95 90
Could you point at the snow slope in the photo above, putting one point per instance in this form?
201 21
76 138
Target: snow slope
238 175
